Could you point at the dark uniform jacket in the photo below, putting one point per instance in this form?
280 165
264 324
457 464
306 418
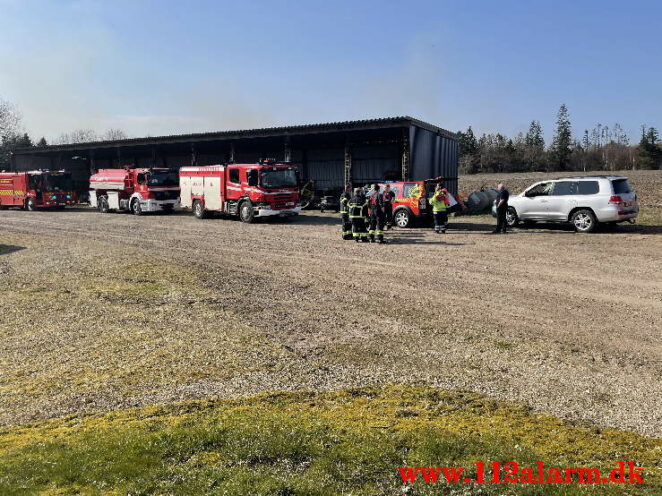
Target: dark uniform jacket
358 207
344 200
376 203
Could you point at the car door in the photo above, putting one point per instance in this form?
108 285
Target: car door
562 199
535 202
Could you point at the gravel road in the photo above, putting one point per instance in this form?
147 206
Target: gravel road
569 324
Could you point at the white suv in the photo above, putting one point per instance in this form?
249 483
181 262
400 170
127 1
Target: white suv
584 201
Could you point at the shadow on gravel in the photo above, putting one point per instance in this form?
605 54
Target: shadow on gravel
638 228
470 226
315 220
419 238
7 249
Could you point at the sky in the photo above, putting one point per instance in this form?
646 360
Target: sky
170 66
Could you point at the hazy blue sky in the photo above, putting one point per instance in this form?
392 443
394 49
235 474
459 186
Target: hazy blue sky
160 67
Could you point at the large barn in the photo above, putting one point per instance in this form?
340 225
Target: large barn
330 154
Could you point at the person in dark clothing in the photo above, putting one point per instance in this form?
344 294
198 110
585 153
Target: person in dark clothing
344 213
387 199
502 207
376 203
358 211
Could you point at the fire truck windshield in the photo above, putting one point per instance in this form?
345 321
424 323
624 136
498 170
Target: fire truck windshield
57 182
163 178
279 178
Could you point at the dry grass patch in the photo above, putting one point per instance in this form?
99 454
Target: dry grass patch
89 329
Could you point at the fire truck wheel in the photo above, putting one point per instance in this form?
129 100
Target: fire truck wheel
136 208
199 210
29 205
102 204
246 211
402 217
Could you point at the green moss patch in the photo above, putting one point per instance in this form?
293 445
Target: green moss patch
347 442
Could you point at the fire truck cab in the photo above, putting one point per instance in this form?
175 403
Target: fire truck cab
36 189
135 190
411 200
267 188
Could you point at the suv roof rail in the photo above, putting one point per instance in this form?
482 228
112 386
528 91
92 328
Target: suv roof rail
592 176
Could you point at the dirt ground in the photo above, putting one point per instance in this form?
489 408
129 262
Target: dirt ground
109 311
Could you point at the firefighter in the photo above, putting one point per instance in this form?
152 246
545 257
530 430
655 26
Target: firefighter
439 202
344 213
358 207
376 203
387 199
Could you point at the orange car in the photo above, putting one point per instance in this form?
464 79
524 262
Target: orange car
411 200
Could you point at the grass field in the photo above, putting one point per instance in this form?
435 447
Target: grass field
347 442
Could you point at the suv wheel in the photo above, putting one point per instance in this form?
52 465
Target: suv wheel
402 217
584 221
511 217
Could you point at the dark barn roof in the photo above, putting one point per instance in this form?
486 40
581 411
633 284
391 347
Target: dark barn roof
331 127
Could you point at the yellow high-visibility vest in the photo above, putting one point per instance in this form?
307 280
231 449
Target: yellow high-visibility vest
438 203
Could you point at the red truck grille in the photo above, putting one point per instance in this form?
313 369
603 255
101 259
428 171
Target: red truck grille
282 202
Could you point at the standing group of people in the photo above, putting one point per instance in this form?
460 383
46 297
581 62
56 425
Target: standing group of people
366 216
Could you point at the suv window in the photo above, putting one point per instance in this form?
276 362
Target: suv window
396 189
621 186
541 189
234 176
563 188
411 189
588 188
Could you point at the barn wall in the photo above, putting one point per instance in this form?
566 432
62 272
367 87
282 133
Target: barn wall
433 155
325 166
375 155
375 163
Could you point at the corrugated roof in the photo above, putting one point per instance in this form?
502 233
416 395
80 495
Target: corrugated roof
247 133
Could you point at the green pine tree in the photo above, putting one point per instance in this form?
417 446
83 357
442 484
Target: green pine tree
649 154
562 144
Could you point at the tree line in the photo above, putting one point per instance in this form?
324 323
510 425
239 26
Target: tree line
603 148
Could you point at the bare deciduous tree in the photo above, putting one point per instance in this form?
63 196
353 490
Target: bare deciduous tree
114 134
10 121
88 135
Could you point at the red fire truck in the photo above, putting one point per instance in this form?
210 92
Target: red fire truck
135 190
245 190
36 189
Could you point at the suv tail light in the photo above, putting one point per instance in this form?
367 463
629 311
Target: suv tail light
615 200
